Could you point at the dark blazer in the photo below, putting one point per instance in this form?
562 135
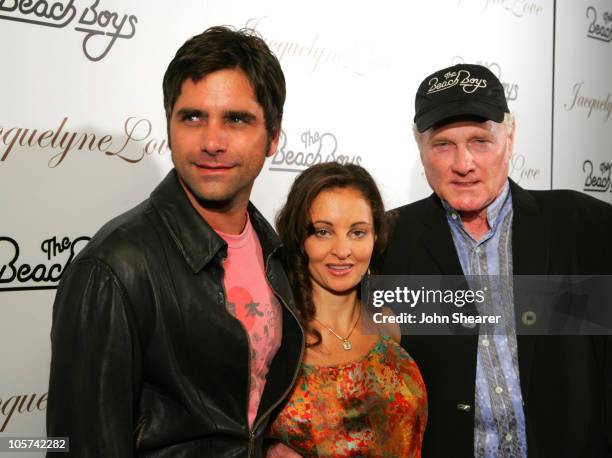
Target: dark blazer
566 381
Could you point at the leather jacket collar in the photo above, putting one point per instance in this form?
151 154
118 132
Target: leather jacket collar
195 239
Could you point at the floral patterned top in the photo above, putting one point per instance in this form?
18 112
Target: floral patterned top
376 406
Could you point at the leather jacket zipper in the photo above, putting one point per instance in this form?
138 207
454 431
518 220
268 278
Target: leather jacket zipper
251 442
297 371
295 374
248 391
251 433
248 398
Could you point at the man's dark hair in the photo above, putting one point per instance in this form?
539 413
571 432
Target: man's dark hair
220 48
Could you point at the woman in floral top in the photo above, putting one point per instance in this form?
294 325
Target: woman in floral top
359 393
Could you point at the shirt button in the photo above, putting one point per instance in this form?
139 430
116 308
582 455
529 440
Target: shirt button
498 390
464 407
477 249
485 342
508 437
454 215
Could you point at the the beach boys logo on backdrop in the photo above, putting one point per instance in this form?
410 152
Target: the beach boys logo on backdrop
45 272
510 88
600 27
314 148
591 105
597 179
102 27
134 143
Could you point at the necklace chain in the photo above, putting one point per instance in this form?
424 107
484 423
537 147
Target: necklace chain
345 340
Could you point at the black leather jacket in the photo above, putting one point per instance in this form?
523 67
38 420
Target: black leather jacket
146 361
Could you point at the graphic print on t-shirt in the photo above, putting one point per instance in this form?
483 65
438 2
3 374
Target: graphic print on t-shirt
262 325
252 302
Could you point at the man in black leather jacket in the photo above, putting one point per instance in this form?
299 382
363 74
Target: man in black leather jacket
153 354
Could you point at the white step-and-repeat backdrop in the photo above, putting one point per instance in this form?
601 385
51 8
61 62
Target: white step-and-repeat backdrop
83 136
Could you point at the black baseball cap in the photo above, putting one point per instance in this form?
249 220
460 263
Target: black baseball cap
464 90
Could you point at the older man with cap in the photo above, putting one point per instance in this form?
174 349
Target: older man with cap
500 395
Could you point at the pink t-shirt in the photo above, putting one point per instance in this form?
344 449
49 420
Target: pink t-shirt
251 301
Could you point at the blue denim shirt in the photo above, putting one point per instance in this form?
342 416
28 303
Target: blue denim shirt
499 419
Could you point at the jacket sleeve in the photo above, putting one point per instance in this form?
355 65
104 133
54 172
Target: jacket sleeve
95 364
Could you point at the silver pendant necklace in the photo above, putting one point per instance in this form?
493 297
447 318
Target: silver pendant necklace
346 345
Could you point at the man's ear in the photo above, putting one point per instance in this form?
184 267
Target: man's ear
273 143
511 139
421 155
418 138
